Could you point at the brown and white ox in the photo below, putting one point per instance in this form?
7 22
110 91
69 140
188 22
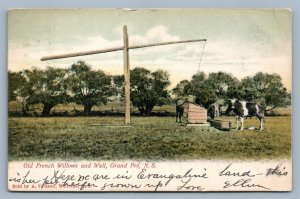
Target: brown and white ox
244 109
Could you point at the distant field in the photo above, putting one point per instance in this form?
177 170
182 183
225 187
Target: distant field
283 111
111 107
114 108
150 138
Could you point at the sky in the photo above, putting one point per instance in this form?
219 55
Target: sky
239 41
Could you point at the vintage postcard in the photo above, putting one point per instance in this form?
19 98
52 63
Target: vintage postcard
149 100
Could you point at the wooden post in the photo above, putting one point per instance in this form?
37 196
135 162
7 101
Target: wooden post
126 76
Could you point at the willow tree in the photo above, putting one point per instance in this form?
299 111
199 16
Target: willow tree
148 89
89 87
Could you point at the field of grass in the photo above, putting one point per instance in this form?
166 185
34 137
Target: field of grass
149 138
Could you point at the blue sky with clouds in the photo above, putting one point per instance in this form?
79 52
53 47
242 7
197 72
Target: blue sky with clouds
239 41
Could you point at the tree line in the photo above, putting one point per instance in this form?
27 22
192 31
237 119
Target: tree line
82 85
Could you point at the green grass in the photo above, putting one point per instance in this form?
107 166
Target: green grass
149 138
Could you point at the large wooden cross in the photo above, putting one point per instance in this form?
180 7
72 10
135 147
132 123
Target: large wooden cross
125 49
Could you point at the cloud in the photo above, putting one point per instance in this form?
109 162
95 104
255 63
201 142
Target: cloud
181 60
160 34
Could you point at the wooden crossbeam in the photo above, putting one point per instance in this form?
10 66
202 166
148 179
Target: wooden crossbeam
92 52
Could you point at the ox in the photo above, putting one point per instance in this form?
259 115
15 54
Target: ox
180 108
242 109
214 110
